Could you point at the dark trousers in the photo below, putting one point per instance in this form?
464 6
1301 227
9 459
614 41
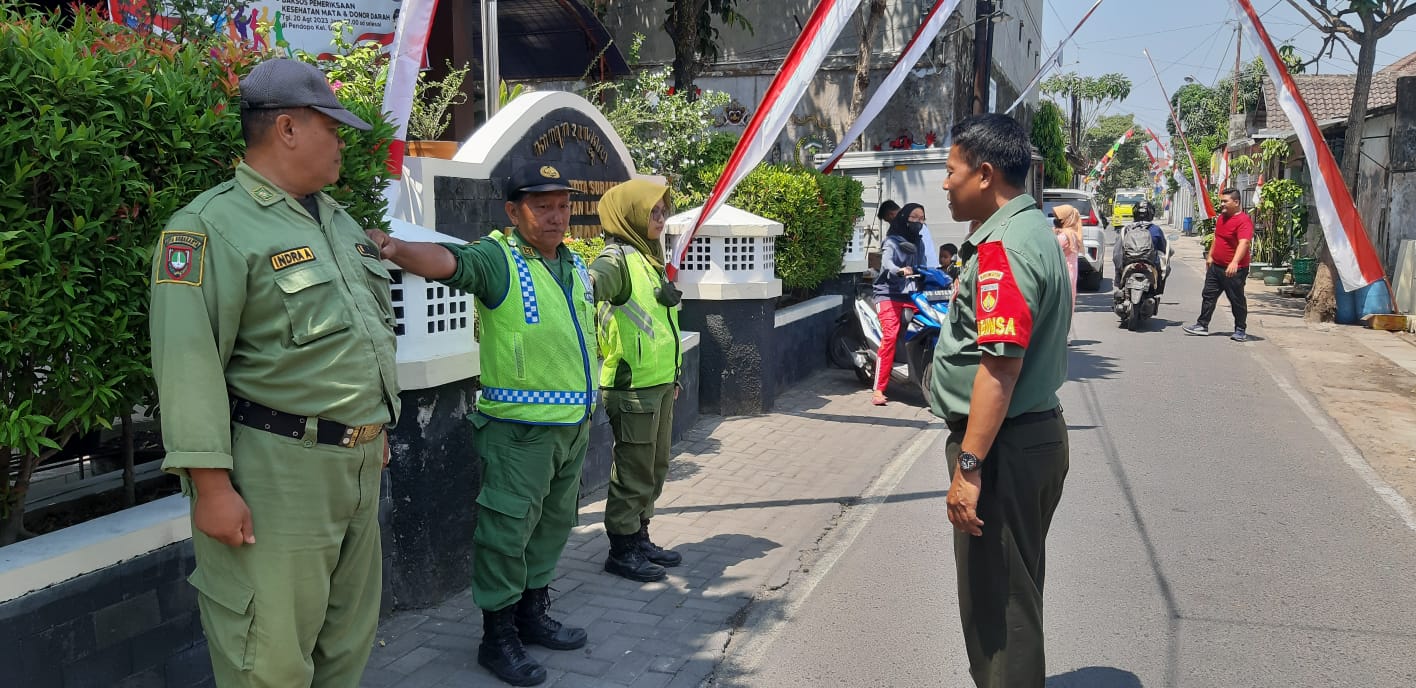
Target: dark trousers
1217 282
1000 573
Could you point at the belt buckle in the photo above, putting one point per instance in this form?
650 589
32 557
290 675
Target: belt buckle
356 435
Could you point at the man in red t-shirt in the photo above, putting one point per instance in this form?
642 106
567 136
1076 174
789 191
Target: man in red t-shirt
1227 267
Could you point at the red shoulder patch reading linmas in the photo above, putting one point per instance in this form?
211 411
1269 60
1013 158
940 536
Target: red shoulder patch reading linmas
1002 312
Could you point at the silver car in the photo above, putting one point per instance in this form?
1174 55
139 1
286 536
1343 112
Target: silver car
1092 260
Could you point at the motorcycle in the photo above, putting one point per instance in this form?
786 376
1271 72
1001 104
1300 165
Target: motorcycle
1138 287
855 341
1136 299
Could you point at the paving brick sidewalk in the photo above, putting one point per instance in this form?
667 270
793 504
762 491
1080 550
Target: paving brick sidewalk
746 498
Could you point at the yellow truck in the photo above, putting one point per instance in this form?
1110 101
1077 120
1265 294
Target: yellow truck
1125 200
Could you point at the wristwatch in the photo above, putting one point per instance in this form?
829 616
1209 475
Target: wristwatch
969 462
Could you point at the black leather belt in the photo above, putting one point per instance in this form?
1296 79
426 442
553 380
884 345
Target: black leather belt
253 415
1020 419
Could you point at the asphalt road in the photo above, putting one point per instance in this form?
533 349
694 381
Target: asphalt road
1212 533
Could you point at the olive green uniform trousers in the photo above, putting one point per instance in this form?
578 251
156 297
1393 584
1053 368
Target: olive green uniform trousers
643 423
1000 574
300 606
530 489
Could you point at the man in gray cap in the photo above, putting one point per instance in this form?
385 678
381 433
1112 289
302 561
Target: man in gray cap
536 316
273 349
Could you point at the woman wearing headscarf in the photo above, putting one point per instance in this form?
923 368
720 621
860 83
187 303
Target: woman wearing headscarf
899 259
1067 223
637 323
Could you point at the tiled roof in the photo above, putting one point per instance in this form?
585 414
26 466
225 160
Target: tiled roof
1329 96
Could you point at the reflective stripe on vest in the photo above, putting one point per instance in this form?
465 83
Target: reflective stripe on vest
641 332
535 345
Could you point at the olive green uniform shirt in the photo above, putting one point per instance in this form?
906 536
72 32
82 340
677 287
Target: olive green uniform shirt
482 270
254 298
610 274
1013 299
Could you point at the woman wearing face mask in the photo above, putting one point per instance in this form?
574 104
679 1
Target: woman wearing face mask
900 257
637 324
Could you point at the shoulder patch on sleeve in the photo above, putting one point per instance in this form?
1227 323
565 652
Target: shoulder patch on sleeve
1003 313
183 258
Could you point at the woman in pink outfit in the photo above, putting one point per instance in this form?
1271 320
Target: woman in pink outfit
1067 223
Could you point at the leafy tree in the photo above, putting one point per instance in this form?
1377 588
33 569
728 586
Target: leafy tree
1203 110
1130 167
1051 141
667 133
690 23
1364 23
107 133
1088 98
873 11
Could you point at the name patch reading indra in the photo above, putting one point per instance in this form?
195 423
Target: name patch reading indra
294 256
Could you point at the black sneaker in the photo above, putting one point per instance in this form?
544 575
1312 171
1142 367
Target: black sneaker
1239 336
1197 329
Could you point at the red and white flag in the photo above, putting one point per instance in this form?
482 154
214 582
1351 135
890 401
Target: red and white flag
781 98
1221 177
909 57
1161 146
415 21
1206 205
1352 251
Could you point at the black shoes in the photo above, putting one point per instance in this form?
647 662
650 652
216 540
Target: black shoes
627 560
654 553
534 625
502 653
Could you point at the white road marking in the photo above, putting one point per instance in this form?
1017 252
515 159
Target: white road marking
1350 454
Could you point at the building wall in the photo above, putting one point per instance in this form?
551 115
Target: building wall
935 95
1402 189
1373 195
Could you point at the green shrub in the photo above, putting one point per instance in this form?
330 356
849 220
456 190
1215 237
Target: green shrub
107 133
818 213
588 248
665 131
694 183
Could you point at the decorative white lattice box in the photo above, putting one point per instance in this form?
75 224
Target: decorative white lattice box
733 255
855 258
434 322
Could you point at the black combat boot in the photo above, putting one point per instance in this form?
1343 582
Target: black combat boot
501 651
653 552
536 626
626 560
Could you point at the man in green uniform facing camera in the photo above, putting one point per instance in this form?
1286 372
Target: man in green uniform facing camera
997 367
536 317
273 349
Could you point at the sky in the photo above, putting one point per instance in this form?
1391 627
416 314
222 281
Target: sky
1186 38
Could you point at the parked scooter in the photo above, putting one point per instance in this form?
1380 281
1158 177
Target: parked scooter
855 342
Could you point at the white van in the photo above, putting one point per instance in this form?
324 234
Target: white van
912 176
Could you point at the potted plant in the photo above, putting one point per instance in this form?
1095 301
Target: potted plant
433 100
1280 211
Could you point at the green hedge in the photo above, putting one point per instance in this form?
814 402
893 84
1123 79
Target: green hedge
818 213
106 134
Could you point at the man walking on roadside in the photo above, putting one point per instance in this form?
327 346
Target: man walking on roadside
997 368
1227 267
